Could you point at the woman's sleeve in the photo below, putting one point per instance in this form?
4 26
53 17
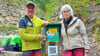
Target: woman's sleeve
83 33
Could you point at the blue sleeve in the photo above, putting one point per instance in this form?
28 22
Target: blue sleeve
22 24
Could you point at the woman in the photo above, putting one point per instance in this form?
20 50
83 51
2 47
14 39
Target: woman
73 34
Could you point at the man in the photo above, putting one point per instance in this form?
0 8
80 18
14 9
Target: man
29 31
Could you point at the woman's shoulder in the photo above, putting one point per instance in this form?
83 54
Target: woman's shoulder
76 18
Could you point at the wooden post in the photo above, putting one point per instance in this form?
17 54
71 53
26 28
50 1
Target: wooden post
53 34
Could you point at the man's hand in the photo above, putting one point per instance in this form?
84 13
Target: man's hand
45 23
41 37
60 52
86 51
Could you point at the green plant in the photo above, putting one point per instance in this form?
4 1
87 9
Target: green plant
84 13
97 3
97 24
96 13
96 27
8 28
97 36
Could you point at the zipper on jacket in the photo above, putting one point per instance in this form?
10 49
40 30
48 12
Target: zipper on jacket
26 43
67 36
68 39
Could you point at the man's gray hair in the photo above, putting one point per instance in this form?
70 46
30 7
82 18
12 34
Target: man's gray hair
66 7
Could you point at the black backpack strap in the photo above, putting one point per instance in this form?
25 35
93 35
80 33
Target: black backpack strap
73 22
8 42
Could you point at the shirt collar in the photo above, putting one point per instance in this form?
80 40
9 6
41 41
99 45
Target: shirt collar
68 21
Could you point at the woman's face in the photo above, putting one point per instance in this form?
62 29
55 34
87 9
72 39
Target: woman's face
66 14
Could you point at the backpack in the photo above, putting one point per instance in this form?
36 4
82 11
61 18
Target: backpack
13 44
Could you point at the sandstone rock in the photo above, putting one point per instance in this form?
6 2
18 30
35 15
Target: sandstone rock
0 6
1 23
4 15
13 23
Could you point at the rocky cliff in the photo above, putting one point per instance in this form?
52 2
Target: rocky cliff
9 14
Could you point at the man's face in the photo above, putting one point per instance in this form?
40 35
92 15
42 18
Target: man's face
30 10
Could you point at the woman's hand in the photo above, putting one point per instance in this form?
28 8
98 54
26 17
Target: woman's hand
87 51
61 52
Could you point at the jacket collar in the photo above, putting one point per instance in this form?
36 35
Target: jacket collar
73 19
26 17
34 17
67 21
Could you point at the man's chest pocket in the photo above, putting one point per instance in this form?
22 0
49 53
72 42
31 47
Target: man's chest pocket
29 26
